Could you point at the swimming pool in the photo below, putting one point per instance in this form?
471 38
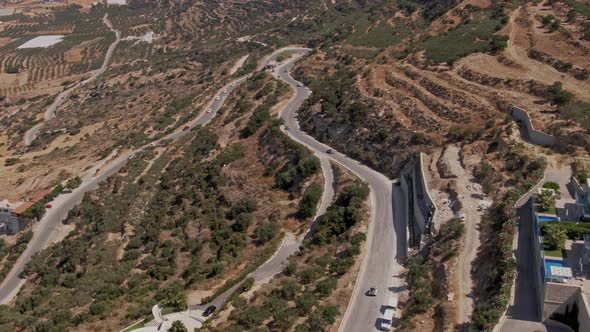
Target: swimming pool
553 262
544 217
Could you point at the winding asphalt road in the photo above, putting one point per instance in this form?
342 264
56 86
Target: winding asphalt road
289 245
49 114
386 236
47 228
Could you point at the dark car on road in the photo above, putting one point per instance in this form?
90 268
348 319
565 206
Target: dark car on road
372 291
330 151
209 310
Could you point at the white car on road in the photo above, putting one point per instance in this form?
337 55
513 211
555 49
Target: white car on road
387 320
217 98
224 90
209 110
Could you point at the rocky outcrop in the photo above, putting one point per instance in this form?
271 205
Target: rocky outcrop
452 95
506 61
435 106
418 116
562 66
531 87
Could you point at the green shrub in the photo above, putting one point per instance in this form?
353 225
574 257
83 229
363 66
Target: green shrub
11 161
326 286
266 232
573 230
559 95
551 185
309 201
555 236
74 182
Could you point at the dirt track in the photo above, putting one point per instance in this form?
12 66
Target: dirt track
537 70
468 194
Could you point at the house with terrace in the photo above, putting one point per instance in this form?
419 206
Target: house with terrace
561 261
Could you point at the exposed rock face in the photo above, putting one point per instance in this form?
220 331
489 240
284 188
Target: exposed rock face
437 107
532 87
444 169
562 66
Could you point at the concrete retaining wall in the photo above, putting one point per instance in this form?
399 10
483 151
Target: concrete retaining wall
578 299
420 206
538 257
533 135
426 199
584 313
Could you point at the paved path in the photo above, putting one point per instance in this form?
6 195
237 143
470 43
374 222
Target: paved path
49 114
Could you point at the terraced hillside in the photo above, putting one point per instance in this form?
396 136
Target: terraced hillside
389 80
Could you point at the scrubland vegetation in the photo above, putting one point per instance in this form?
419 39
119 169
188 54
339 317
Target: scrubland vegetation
311 279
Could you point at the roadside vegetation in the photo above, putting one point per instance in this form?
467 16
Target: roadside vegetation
140 238
429 281
496 270
9 253
313 280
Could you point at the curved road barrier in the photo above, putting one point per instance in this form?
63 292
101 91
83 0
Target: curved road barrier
533 135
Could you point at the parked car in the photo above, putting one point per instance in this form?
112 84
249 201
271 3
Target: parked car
372 291
217 98
48 206
224 90
209 110
387 320
232 85
299 84
330 151
210 309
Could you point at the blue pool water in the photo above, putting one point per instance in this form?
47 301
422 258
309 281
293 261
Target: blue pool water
553 262
541 218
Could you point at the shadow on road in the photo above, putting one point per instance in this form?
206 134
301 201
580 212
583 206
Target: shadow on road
526 301
399 221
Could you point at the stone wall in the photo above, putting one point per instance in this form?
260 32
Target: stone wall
533 135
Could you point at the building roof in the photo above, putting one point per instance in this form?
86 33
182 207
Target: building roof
23 207
9 203
559 293
39 195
